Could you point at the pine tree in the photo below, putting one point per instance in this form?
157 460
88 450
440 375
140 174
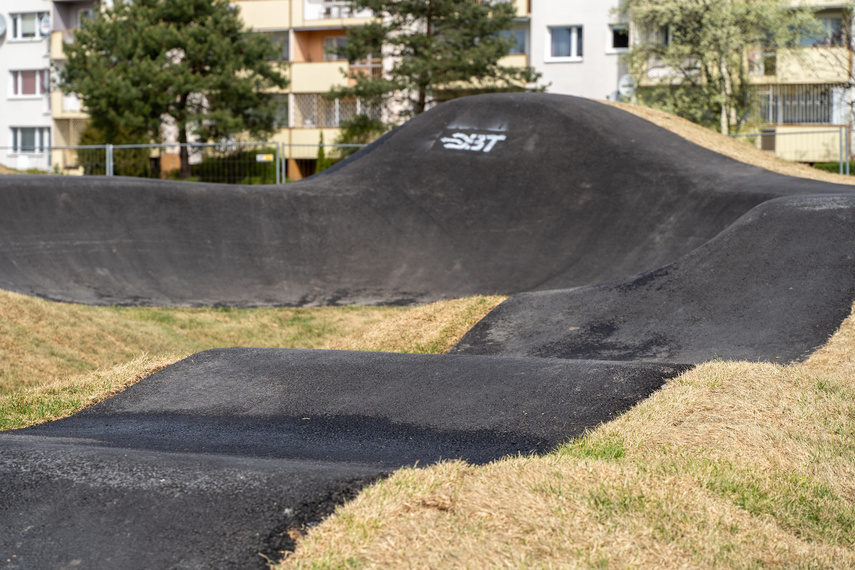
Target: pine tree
438 49
186 63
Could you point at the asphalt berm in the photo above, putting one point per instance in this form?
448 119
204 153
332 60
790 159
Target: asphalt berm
631 254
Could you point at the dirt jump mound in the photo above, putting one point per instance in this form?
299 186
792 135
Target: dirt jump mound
488 194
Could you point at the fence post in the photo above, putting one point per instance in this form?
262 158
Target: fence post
109 165
848 156
278 165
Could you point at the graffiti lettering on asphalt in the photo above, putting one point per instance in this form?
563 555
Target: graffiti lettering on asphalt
473 142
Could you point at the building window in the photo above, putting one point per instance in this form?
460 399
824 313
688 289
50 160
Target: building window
664 36
280 41
519 40
31 83
566 44
618 38
30 139
85 15
280 101
332 45
833 33
27 26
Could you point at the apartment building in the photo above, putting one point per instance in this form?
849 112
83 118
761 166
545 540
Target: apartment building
806 91
25 120
576 46
305 31
69 118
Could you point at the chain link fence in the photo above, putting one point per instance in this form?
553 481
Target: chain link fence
225 163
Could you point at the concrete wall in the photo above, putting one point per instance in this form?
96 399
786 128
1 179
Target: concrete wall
596 73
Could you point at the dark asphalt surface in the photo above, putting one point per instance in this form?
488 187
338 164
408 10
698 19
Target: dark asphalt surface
578 193
634 253
210 461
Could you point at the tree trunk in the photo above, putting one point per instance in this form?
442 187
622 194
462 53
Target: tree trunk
424 79
421 103
726 96
184 153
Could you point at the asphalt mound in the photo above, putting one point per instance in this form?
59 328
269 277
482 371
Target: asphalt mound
774 286
212 460
492 194
633 254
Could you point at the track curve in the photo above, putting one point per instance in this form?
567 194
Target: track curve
576 193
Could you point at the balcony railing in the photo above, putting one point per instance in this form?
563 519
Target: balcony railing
331 9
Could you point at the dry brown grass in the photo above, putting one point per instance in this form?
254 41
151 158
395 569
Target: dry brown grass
62 397
47 347
737 149
733 464
5 170
429 329
41 340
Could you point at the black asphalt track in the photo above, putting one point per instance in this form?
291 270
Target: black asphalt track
212 460
577 193
773 286
634 253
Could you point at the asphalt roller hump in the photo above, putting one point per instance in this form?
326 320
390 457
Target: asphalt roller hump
489 194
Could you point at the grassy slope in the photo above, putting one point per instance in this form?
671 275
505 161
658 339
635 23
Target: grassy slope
41 340
733 464
57 358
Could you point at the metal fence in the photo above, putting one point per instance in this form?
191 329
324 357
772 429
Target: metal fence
815 145
275 162
228 163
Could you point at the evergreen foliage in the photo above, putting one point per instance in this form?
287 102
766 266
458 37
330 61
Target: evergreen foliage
188 63
323 161
696 58
134 162
360 129
438 49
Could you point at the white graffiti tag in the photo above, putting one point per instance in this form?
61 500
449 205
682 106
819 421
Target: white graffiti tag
475 142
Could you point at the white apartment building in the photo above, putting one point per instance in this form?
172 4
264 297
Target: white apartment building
576 45
25 112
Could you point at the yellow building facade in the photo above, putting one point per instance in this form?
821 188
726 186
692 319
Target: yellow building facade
305 31
806 94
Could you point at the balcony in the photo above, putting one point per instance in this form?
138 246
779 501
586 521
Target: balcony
317 77
813 65
66 106
514 60
314 10
270 14
58 40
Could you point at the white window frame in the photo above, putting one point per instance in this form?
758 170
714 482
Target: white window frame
574 56
17 80
610 40
41 140
17 25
